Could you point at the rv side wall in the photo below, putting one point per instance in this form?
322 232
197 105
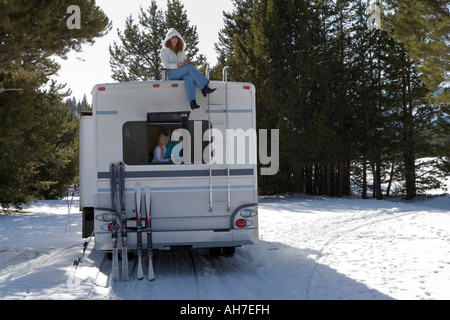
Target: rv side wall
87 152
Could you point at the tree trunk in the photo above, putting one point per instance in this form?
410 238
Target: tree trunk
391 176
340 186
376 180
364 177
410 174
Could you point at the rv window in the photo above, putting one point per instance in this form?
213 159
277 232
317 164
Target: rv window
168 118
140 138
135 143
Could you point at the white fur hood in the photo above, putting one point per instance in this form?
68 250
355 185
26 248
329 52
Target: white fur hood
172 32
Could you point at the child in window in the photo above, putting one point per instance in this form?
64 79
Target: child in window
160 150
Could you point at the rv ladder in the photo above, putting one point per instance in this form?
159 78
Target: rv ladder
227 168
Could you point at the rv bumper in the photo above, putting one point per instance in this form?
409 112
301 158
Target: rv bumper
197 239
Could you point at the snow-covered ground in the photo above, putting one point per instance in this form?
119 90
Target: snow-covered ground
311 248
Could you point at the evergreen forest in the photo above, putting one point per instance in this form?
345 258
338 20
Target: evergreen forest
359 90
38 130
361 100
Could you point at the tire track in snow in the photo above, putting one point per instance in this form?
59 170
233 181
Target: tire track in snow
104 268
340 235
29 266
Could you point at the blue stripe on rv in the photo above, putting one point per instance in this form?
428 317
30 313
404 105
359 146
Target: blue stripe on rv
186 188
180 173
107 112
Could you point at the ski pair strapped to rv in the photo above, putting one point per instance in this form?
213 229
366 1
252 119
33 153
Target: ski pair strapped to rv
117 176
148 225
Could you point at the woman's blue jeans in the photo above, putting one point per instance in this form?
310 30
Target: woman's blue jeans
191 76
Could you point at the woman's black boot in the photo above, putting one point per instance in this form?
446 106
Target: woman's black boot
207 90
194 105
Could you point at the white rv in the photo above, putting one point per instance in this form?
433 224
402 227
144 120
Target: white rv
207 201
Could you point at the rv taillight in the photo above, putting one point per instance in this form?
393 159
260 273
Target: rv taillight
240 223
246 87
110 227
175 85
101 89
156 85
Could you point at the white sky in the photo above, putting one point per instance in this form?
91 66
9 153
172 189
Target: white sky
81 71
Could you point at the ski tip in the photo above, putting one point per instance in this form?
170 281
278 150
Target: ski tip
140 271
151 274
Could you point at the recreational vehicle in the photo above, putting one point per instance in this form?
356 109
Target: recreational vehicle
204 197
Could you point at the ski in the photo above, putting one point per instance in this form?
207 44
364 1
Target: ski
140 274
115 253
148 224
123 217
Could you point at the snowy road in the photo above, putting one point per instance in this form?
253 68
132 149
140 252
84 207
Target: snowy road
311 248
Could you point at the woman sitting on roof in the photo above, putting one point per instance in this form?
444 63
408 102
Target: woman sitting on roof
179 68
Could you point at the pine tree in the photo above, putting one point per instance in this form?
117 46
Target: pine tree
37 136
39 28
137 56
57 139
280 56
423 27
39 143
346 99
416 124
362 95
237 27
17 169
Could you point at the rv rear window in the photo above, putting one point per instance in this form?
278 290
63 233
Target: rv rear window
135 143
140 138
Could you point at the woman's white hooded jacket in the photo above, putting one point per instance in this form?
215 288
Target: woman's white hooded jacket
168 57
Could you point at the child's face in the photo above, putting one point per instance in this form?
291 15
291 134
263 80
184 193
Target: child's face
165 141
